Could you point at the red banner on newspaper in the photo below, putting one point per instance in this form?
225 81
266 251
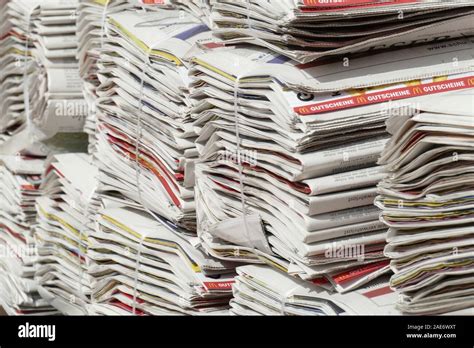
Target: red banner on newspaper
227 285
359 272
153 2
317 5
378 292
385 96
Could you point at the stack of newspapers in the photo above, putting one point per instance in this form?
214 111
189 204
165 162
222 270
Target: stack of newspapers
65 211
246 157
42 110
288 153
428 204
44 89
91 20
145 153
15 62
198 8
261 290
305 30
19 188
145 137
141 267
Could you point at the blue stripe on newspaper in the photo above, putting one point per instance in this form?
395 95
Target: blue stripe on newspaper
279 60
192 32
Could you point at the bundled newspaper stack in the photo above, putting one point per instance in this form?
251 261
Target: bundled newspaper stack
145 137
42 111
141 267
91 20
43 90
261 290
66 211
200 9
288 154
143 95
427 202
15 57
19 182
305 30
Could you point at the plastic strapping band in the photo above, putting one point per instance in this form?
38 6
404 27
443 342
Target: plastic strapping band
249 21
86 252
284 299
26 90
103 27
135 280
139 127
139 135
239 159
138 168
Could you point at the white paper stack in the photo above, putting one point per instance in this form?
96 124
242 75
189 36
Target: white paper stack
141 267
91 20
309 29
19 181
156 112
428 203
261 290
307 172
46 92
15 57
200 9
66 210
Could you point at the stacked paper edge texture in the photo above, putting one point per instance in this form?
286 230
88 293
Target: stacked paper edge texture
247 157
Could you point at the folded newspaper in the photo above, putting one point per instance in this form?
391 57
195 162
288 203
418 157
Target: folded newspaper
19 188
65 211
91 19
289 177
261 290
145 137
305 30
42 98
427 202
141 267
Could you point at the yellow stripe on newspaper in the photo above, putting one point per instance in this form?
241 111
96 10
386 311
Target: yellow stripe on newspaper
143 46
415 273
62 222
101 2
224 74
173 245
428 204
430 217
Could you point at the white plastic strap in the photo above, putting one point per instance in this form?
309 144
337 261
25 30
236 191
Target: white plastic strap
249 21
138 167
138 138
103 26
86 252
284 299
239 158
81 275
137 269
26 90
139 125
